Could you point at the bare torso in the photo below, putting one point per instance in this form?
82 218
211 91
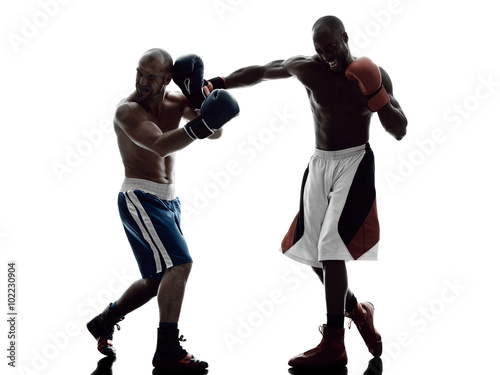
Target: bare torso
140 162
339 108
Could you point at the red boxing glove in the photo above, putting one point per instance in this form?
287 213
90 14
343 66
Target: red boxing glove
369 79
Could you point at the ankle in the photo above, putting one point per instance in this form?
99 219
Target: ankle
335 321
115 312
168 326
351 303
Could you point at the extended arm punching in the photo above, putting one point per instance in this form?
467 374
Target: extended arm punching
254 74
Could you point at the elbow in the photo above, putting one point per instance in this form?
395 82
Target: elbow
216 135
399 131
402 131
162 153
157 149
394 122
400 134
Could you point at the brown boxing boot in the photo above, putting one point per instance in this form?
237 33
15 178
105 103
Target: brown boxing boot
330 353
362 316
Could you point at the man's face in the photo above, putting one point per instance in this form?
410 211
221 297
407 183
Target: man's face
150 78
332 49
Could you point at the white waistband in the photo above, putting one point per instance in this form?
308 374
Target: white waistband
165 192
340 154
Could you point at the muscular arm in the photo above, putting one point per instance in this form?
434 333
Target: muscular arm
391 116
254 74
132 119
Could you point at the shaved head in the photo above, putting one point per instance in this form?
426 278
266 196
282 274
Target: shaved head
330 42
329 22
158 54
154 72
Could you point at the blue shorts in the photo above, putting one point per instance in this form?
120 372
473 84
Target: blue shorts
150 214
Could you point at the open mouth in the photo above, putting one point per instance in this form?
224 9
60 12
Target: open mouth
334 65
142 90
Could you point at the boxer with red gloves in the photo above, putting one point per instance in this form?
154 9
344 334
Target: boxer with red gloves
337 219
368 76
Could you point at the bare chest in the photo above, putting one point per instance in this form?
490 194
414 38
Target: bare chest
336 95
166 118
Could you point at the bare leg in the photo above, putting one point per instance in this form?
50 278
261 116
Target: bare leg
137 294
350 298
102 326
171 292
169 355
335 281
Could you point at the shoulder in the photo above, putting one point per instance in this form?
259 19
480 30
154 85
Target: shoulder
178 103
176 99
125 107
128 111
304 68
299 63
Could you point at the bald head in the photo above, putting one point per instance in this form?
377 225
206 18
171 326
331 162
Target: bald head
330 42
330 23
154 72
161 56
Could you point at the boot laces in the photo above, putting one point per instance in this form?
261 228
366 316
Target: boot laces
108 326
354 314
321 330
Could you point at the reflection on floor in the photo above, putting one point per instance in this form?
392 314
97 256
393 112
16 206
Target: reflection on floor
105 367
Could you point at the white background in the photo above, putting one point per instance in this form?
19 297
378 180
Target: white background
248 309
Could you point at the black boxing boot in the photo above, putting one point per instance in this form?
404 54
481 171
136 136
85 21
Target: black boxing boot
170 356
102 328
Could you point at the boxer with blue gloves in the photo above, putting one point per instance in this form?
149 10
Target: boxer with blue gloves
188 75
147 126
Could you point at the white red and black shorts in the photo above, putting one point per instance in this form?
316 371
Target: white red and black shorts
151 217
337 219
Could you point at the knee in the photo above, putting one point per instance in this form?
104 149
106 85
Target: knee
182 270
152 285
333 263
334 267
186 267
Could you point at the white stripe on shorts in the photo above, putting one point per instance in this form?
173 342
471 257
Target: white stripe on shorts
149 233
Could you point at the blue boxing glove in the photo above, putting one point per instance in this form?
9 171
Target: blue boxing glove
188 75
218 108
